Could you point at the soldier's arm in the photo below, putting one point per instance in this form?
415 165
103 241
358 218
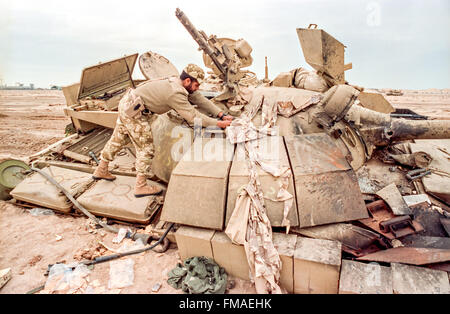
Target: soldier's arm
204 103
180 103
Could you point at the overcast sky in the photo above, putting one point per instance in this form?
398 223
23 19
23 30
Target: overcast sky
391 43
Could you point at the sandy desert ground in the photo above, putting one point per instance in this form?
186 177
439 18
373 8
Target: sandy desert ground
434 103
32 120
29 122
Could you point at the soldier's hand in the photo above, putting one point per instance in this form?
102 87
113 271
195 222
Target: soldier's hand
223 116
227 118
223 124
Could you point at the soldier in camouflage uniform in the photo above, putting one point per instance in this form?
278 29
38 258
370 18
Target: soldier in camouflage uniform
137 110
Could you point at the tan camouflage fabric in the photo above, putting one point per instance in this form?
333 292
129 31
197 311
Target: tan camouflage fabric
249 224
287 108
263 258
136 129
309 80
195 71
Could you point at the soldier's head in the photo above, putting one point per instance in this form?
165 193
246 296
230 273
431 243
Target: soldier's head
191 77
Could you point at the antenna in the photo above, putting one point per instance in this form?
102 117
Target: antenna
266 78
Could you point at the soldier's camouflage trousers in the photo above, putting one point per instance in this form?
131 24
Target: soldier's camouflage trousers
138 130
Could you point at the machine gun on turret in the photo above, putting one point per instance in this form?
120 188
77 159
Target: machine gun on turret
226 57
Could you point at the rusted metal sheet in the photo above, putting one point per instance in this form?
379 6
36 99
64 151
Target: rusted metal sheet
315 154
446 224
328 198
437 183
429 218
93 142
362 278
440 266
355 240
382 220
326 187
415 240
374 175
409 255
391 195
416 199
418 280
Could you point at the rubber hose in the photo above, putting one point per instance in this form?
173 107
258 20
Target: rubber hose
118 255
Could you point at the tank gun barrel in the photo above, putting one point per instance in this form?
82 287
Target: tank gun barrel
417 129
379 129
384 129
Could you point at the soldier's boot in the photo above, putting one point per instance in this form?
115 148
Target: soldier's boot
143 189
101 172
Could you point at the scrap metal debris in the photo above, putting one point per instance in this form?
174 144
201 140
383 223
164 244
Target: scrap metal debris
391 195
409 255
383 221
355 240
120 235
446 224
408 279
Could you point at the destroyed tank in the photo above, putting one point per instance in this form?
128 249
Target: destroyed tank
331 160
328 133
318 175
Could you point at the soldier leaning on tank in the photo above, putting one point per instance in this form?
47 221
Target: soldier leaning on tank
139 107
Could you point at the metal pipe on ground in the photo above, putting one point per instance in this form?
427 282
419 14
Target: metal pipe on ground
103 259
